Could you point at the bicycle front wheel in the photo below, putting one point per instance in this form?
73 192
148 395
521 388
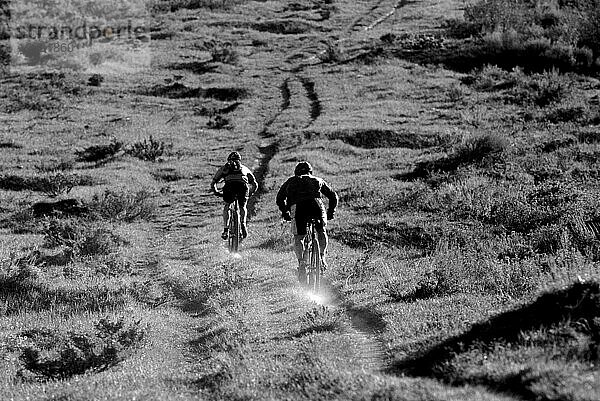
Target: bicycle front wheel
234 229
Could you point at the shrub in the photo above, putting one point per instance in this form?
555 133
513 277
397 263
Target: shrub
455 93
58 184
460 29
52 355
333 53
566 114
95 80
224 53
33 50
99 152
218 122
124 206
81 237
61 232
148 150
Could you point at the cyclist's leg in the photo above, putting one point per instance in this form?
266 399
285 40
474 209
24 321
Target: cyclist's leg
299 223
299 231
299 247
323 242
322 237
228 197
243 201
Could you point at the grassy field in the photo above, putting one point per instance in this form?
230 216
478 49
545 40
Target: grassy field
464 261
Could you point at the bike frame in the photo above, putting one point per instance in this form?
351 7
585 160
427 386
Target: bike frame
235 235
312 255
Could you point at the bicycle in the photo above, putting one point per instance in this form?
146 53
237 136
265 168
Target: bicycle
312 254
235 235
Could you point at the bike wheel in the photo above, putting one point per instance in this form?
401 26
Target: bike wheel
314 279
234 229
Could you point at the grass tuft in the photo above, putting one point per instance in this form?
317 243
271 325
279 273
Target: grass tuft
54 356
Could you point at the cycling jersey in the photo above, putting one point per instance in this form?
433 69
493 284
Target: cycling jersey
231 172
298 189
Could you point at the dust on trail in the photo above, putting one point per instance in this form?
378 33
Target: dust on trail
364 328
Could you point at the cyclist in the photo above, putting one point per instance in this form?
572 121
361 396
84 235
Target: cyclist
299 200
236 177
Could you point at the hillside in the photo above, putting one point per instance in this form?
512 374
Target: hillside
464 253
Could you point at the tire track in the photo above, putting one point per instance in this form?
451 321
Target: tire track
365 328
316 107
268 151
382 19
358 20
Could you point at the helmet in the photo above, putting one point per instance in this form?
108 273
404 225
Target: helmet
234 156
303 168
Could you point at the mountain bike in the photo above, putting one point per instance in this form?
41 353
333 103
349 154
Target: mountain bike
312 255
235 234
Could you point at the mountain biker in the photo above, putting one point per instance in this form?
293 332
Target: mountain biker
236 177
299 200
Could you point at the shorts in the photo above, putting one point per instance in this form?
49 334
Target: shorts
303 212
236 190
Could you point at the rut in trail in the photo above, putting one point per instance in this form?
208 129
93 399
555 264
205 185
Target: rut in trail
315 103
365 325
358 23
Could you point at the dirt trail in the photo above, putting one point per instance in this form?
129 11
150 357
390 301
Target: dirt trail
255 330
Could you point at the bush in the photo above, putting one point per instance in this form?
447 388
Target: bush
539 89
223 53
33 50
218 122
537 35
148 150
566 114
123 206
333 53
52 355
79 236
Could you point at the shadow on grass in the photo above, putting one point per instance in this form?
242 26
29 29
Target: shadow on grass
321 328
474 150
464 56
367 235
21 296
180 91
578 303
197 67
380 138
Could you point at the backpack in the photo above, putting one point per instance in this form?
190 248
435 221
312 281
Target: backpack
234 167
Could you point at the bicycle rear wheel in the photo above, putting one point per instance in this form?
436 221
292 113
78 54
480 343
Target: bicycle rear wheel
234 228
314 275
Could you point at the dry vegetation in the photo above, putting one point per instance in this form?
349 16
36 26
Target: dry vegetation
464 145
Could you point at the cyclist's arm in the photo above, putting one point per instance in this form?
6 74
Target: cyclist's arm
218 177
281 198
252 181
330 194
